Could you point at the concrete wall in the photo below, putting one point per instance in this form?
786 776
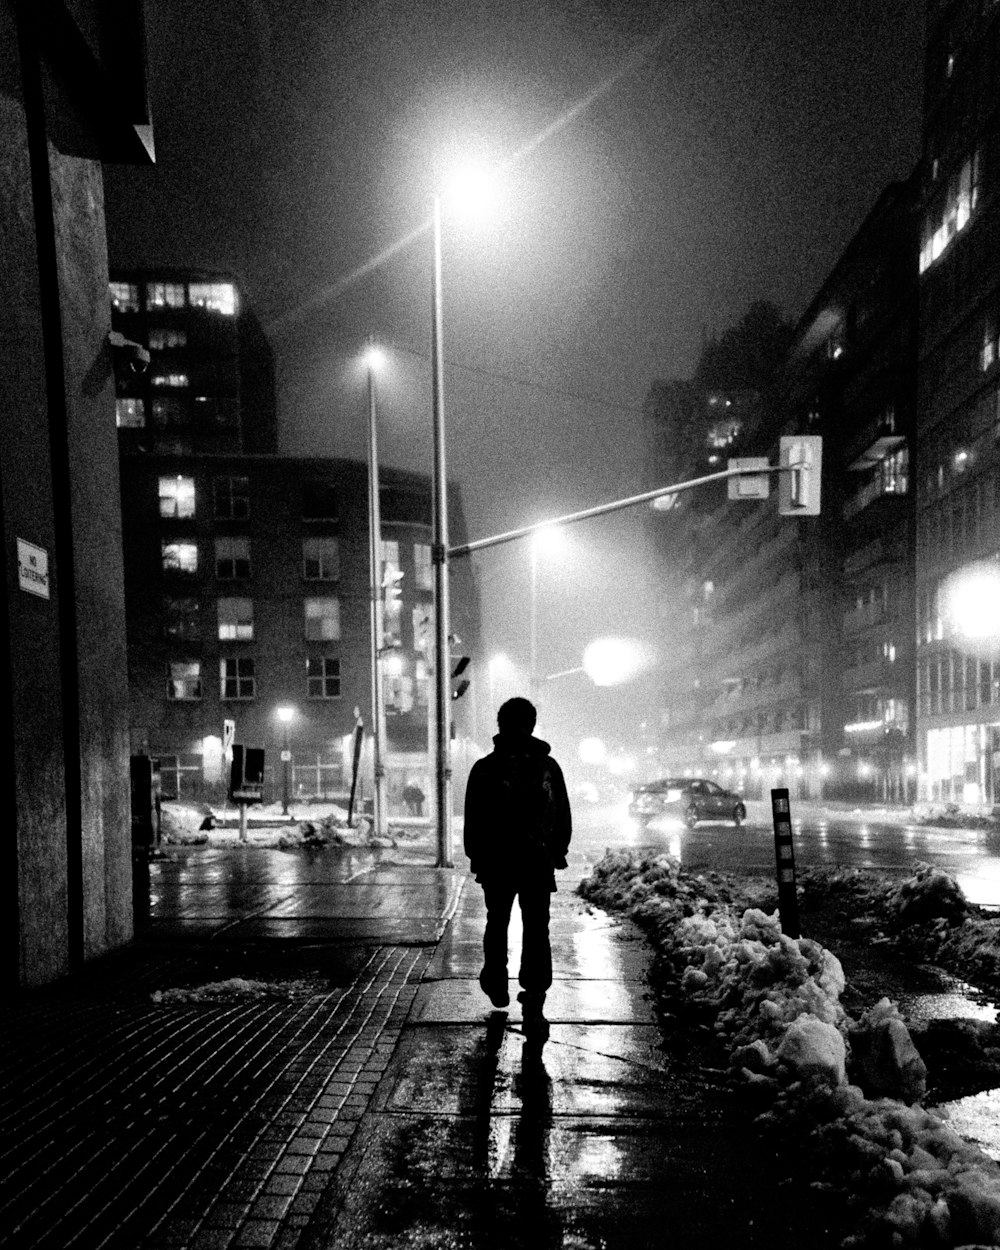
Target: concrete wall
65 862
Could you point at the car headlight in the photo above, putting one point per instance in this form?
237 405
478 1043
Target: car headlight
674 796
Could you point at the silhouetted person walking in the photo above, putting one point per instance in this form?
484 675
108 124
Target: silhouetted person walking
517 832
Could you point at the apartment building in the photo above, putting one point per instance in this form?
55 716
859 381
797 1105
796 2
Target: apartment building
247 572
958 408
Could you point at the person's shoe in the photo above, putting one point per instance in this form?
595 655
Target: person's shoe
494 991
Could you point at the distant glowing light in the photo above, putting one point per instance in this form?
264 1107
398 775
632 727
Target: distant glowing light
393 666
473 192
723 747
619 765
613 661
374 357
285 714
863 727
592 751
971 603
547 540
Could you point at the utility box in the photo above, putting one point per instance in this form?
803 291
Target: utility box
246 776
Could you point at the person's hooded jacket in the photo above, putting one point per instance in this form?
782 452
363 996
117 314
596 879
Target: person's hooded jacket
517 815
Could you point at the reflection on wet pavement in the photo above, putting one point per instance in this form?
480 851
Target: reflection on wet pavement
977 1118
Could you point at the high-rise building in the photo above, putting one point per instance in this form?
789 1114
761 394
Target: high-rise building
958 408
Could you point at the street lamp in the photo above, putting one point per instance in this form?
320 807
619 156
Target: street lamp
373 358
285 715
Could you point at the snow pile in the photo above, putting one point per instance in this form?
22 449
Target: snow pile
930 894
852 1088
234 987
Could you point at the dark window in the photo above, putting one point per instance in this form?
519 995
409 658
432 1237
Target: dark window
232 498
237 678
182 619
323 677
319 502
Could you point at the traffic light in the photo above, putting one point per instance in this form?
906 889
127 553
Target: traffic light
463 685
392 585
801 462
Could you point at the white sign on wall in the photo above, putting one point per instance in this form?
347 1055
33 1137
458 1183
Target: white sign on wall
33 568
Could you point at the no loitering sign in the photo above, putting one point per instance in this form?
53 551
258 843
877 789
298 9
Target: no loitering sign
33 569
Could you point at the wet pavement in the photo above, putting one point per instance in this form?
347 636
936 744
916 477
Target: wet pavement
346 1083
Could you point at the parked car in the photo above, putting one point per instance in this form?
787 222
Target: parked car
690 798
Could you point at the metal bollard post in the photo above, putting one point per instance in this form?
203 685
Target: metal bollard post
784 854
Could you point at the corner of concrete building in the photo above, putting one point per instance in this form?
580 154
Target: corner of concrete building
66 860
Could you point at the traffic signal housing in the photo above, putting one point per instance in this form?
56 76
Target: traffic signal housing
457 672
801 466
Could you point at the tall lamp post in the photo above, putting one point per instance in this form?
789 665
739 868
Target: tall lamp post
285 715
439 557
373 358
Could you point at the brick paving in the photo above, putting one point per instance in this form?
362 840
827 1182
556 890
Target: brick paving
207 1124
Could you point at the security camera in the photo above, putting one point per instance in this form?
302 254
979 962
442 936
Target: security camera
128 352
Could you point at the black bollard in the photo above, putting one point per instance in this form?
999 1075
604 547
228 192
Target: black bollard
784 854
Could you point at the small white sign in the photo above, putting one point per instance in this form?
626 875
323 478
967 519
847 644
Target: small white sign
33 569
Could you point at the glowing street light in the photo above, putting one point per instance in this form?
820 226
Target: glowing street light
970 603
592 751
613 661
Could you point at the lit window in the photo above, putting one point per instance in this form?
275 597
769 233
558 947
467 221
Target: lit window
951 214
164 295
392 605
990 346
162 339
217 297
235 620
398 693
176 496
179 557
424 570
130 414
320 559
182 619
236 678
232 498
319 502
323 677
174 380
322 619
895 472
124 296
184 679
232 558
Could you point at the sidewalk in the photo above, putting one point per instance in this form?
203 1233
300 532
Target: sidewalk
345 1088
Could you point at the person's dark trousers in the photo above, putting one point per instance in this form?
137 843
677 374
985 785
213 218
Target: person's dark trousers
535 974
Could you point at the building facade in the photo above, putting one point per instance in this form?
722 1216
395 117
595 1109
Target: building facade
792 654
72 95
247 573
958 408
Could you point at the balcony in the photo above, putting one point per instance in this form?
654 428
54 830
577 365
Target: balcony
875 489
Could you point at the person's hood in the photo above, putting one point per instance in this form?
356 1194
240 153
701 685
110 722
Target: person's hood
519 744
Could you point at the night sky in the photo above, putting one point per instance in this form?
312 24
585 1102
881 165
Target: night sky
695 157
